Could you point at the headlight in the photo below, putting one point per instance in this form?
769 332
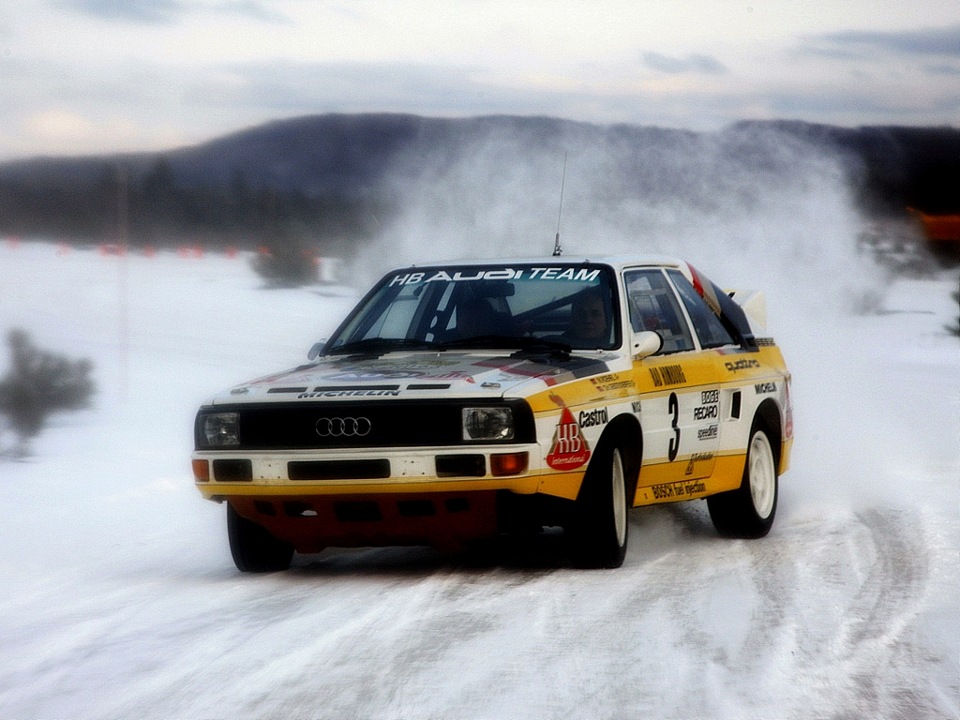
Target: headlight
221 430
490 423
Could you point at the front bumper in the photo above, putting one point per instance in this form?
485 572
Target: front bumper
222 474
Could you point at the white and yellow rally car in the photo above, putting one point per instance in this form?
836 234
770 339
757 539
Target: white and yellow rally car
460 401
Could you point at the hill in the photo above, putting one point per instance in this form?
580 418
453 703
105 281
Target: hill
343 177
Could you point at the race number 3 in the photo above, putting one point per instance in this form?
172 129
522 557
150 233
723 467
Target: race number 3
673 406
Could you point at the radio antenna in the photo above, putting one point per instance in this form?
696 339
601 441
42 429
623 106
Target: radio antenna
557 250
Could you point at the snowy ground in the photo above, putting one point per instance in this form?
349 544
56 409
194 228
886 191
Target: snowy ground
119 598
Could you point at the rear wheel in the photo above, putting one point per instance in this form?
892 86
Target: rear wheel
253 548
601 528
748 511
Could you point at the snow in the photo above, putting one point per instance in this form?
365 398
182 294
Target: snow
119 598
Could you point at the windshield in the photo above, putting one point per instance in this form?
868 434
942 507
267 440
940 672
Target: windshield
550 305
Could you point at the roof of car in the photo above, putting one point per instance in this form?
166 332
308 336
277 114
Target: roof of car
616 261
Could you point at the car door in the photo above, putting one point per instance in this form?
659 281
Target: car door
679 386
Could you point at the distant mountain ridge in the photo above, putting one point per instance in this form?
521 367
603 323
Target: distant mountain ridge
337 170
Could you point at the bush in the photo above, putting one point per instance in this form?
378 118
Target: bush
286 260
39 383
285 267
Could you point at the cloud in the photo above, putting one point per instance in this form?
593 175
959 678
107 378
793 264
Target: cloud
151 12
251 9
941 41
943 69
285 86
168 12
693 63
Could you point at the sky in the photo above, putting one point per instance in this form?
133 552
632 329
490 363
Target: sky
90 76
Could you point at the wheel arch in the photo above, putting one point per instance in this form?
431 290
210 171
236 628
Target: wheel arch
625 431
769 418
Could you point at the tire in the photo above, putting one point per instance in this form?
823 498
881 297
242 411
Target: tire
601 527
253 548
748 511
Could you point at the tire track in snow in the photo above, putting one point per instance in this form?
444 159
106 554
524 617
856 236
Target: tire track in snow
878 638
896 579
871 573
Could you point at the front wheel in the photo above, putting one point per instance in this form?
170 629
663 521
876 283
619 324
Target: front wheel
601 528
748 511
253 548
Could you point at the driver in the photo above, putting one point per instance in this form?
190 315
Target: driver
476 318
589 325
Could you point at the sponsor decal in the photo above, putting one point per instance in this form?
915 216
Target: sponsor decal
347 393
387 364
709 406
741 365
367 375
709 432
706 412
606 383
636 407
553 273
667 375
576 274
765 388
569 450
683 489
694 459
592 418
552 373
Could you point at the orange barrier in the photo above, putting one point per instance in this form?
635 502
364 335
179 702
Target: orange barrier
112 250
940 228
190 251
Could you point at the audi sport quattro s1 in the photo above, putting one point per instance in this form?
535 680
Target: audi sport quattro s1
462 401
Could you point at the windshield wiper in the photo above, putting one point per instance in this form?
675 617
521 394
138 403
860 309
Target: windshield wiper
524 344
540 345
381 346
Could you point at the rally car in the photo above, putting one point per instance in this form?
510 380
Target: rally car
462 401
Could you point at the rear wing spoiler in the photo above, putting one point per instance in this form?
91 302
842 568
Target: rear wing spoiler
754 305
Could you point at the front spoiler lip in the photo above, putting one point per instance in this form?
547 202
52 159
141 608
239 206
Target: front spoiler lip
521 484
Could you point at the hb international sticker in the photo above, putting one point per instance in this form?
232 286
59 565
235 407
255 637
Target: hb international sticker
569 450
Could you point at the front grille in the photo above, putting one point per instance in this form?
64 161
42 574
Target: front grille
360 424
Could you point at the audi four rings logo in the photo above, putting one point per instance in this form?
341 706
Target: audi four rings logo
343 427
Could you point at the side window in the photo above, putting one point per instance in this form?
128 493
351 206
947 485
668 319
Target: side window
711 331
653 306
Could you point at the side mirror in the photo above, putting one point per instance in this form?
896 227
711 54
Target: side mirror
314 352
644 344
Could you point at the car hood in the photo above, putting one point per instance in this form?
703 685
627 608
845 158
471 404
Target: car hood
419 375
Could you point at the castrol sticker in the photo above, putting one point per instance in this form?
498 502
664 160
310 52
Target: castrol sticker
569 450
